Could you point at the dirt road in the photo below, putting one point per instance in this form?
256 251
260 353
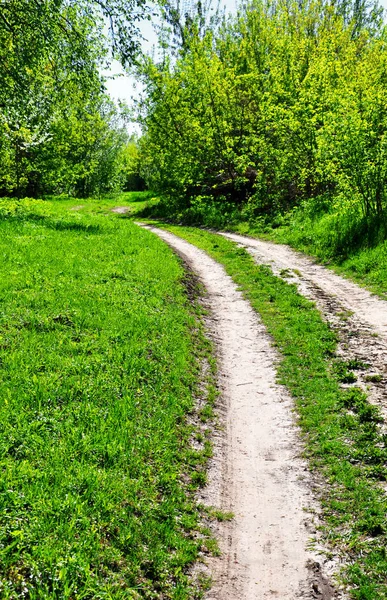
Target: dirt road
256 472
313 280
358 316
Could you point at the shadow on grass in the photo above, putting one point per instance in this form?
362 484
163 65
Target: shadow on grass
56 224
345 236
367 232
141 196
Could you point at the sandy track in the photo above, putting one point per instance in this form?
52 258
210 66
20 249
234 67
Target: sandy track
311 277
256 471
121 210
358 317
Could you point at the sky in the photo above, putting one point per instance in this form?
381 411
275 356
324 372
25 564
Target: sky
121 86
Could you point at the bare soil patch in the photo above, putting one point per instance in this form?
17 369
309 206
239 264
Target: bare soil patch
121 210
358 316
257 471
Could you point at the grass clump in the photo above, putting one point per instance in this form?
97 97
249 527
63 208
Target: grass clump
374 378
342 436
343 371
97 376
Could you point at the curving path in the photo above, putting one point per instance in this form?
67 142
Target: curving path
312 278
358 316
257 472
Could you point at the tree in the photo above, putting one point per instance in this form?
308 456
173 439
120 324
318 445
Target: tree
50 53
282 105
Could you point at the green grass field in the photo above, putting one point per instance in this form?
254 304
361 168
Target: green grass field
101 348
100 351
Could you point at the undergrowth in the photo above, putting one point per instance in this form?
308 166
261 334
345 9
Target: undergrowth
100 357
341 429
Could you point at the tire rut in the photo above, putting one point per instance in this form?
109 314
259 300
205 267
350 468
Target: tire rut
257 471
358 317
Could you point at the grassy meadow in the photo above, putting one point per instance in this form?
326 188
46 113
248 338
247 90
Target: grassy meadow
100 351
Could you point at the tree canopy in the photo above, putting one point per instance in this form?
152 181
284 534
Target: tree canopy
58 129
283 104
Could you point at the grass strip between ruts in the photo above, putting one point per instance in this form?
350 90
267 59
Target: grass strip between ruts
100 358
367 265
341 429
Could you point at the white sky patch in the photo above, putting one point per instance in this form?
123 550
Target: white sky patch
124 87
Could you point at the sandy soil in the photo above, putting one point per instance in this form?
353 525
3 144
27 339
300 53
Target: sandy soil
308 276
256 472
358 316
121 210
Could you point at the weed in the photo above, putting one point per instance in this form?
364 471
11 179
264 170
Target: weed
219 515
374 378
342 372
355 364
210 544
344 315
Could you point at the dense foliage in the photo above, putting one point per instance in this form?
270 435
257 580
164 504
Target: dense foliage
284 106
59 132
